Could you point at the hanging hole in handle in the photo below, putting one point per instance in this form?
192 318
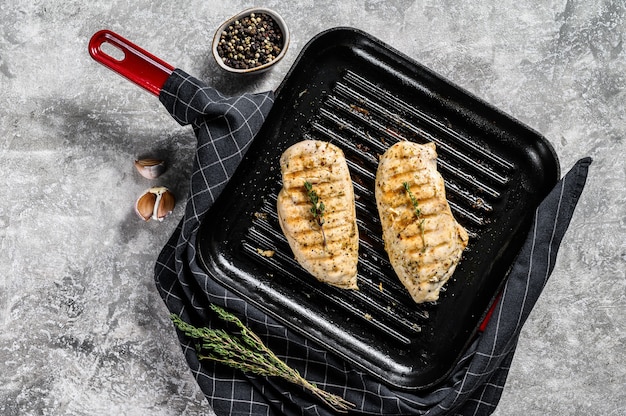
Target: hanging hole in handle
113 51
129 60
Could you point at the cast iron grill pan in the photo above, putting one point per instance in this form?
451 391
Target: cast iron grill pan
358 93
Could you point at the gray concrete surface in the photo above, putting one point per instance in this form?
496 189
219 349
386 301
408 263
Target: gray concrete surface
82 328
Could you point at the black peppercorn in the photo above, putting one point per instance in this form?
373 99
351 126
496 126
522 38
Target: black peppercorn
250 41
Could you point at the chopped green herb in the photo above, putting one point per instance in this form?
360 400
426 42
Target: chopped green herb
417 210
407 188
317 208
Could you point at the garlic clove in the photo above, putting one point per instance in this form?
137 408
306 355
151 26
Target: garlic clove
165 204
150 168
144 207
155 203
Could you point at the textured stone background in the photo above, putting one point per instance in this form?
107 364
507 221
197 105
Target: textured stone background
82 329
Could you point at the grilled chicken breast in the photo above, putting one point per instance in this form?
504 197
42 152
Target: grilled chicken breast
322 233
423 240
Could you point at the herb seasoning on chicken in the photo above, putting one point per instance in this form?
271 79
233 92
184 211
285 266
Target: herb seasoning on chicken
317 214
423 240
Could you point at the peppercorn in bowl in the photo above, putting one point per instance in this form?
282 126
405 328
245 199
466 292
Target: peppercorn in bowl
251 41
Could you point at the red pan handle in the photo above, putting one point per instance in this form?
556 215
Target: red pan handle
136 64
485 321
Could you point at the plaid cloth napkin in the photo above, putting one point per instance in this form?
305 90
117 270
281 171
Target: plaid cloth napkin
224 127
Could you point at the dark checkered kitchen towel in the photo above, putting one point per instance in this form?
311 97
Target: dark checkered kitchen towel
224 127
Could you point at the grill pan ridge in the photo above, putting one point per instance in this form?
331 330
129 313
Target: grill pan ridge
358 93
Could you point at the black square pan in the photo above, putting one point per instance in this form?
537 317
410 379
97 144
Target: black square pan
351 89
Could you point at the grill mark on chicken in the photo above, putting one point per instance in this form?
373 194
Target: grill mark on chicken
423 249
330 251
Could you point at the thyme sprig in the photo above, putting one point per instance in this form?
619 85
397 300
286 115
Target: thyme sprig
317 208
245 351
417 210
